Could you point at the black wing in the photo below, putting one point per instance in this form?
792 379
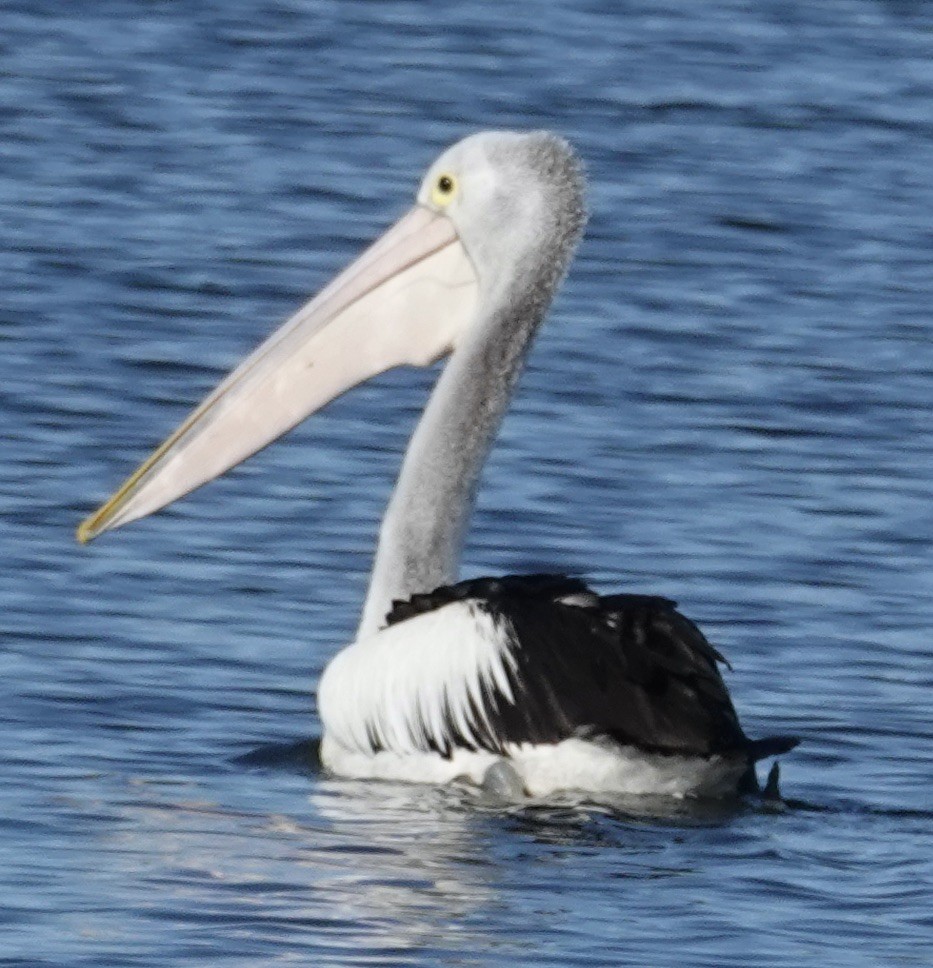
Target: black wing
629 667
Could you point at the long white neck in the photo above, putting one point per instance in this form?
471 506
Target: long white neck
521 244
422 533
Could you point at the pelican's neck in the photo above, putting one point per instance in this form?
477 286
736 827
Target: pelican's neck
422 533
520 247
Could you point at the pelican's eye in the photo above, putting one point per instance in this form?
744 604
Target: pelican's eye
445 188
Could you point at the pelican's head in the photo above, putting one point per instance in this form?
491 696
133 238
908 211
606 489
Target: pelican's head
497 216
516 202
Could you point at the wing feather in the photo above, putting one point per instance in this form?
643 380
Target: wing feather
490 663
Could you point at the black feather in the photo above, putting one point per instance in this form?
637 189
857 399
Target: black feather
627 667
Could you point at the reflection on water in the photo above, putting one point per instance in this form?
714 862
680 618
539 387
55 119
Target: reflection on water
373 866
730 406
385 870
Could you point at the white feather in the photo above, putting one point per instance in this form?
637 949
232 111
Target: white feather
574 764
405 685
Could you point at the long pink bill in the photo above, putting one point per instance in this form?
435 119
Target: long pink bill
404 301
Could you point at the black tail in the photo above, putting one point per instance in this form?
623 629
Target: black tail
772 786
759 749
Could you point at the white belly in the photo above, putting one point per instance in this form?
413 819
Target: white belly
581 765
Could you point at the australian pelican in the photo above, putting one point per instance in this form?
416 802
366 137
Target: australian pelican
564 688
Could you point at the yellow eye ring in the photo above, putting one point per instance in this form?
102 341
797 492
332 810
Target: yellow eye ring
445 188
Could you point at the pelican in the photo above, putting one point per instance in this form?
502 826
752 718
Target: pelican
536 678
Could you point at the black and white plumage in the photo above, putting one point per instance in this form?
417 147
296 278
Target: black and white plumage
615 694
623 686
628 667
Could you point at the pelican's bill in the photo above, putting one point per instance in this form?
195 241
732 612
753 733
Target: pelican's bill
404 301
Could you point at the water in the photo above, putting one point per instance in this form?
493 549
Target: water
729 405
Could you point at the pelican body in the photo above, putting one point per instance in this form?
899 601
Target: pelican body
446 679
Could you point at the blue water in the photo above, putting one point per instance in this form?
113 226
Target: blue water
730 405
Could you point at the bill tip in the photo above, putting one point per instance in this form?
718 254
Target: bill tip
85 531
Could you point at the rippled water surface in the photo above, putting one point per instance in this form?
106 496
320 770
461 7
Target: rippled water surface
730 405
